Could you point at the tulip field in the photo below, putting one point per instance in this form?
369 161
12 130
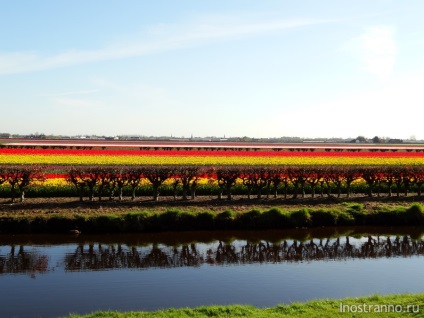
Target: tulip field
114 172
220 157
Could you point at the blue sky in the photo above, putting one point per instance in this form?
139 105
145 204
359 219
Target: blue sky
213 68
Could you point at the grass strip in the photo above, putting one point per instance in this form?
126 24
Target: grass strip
178 220
404 305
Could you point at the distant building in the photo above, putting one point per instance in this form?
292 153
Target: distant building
395 141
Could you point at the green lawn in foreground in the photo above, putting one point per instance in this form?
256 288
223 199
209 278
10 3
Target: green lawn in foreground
407 305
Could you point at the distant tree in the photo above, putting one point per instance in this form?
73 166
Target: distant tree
254 178
372 177
3 175
188 177
377 140
131 176
314 176
116 182
85 177
107 182
418 172
389 177
157 175
361 139
408 179
277 176
350 174
298 175
20 177
227 178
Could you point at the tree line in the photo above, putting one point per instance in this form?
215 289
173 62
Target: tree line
258 181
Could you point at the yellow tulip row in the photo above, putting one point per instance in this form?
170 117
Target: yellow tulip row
199 160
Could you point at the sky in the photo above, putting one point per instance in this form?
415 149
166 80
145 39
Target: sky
233 68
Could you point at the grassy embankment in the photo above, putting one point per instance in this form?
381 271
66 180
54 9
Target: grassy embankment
407 305
348 214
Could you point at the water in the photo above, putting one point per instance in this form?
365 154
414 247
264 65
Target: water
51 276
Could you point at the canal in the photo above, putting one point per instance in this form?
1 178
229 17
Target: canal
51 276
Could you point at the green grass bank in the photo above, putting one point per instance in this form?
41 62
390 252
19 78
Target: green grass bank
405 305
349 214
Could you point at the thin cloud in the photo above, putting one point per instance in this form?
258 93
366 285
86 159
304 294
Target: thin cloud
81 92
75 103
171 38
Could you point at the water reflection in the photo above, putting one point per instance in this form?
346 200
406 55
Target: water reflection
92 255
18 260
95 257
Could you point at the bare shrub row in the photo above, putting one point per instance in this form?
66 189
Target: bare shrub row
258 180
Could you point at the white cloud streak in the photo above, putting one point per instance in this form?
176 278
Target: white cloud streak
171 38
81 92
76 102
